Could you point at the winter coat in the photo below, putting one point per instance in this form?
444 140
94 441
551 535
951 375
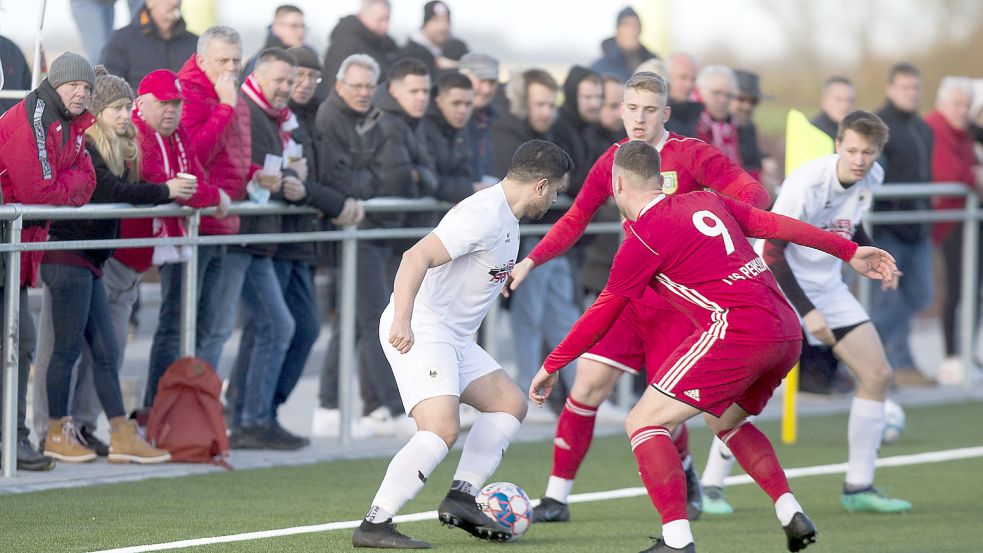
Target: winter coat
614 61
43 161
109 189
406 166
953 160
138 49
349 37
825 124
221 140
451 156
16 72
570 131
685 116
351 142
907 157
479 140
321 193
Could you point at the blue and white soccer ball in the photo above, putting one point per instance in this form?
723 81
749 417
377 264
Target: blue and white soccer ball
894 420
507 504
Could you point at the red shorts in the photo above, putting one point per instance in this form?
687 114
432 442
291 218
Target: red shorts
712 374
644 336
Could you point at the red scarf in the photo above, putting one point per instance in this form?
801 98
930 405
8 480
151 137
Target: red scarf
284 117
719 134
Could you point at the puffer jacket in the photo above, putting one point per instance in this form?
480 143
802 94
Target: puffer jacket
43 161
451 156
351 36
350 144
220 138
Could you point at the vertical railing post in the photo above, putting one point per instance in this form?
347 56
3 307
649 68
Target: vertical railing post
346 311
11 337
969 291
189 290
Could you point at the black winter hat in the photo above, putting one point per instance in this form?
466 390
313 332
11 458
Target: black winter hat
435 7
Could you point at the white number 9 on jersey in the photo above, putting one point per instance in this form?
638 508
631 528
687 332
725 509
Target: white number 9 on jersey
718 228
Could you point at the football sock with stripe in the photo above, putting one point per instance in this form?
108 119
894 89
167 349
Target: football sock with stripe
756 455
407 472
487 441
665 482
574 432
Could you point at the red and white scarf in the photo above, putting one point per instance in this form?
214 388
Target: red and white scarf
284 117
719 134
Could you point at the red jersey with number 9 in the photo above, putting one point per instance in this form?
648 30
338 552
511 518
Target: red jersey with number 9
690 249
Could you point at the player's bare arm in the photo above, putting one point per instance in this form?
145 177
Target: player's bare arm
423 256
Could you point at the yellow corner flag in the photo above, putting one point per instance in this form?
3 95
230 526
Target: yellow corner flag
803 141
200 14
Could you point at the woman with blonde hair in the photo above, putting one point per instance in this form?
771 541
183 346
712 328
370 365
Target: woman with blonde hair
79 304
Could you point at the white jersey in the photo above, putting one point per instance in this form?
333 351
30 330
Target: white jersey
813 194
481 234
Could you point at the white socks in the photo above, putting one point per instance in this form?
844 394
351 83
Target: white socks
864 430
488 439
720 461
558 488
677 533
407 473
786 507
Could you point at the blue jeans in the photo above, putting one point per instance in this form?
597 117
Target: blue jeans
543 311
297 282
80 312
257 370
892 311
94 19
167 338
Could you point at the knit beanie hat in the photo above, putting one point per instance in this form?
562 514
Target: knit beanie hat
305 57
70 67
108 89
433 8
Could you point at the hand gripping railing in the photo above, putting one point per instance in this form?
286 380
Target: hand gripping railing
15 215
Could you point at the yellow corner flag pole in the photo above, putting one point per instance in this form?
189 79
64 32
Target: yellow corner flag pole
200 14
790 419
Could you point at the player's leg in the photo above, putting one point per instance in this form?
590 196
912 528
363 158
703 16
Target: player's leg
574 432
720 461
487 388
861 350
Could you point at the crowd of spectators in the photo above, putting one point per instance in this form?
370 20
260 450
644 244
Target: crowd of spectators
171 116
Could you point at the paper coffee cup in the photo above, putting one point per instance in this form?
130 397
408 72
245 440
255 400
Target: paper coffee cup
187 176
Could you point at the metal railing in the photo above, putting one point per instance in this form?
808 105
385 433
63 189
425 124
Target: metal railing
15 215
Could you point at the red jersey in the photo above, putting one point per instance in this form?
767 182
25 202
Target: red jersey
692 250
688 165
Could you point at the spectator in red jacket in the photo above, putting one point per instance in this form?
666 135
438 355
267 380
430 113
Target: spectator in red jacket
216 121
43 161
953 160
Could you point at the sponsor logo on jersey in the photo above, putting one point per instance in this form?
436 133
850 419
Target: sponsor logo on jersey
693 394
840 227
500 274
670 182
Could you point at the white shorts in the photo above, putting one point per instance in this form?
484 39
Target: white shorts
436 365
838 306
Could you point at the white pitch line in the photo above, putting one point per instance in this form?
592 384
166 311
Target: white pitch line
838 468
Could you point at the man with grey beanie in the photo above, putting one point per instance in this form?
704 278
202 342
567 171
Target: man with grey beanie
482 69
47 126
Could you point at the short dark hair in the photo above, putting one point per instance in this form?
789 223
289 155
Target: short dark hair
902 68
867 125
640 158
450 81
836 79
540 77
275 54
286 9
539 159
404 67
611 78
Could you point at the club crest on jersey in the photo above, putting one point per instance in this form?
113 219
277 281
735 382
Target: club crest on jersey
500 274
670 182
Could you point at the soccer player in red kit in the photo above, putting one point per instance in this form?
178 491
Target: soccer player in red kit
692 250
688 165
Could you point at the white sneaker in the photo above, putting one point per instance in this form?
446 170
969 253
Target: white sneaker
326 423
379 422
468 415
951 372
610 413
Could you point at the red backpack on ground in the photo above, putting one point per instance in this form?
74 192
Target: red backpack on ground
186 418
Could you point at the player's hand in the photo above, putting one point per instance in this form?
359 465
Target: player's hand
401 336
817 326
874 263
517 275
542 386
892 284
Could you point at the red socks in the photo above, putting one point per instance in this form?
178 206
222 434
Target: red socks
754 452
681 441
661 471
574 432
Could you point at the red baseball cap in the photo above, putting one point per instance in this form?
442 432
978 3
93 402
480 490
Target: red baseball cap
163 84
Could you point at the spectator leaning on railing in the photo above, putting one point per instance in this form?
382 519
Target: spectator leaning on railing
445 134
47 126
217 125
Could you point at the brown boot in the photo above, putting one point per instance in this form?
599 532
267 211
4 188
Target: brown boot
62 442
127 446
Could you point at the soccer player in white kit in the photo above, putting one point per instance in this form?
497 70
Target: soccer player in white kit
833 192
444 287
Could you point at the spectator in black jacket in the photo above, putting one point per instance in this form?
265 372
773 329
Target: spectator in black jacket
433 44
15 74
482 69
157 38
583 94
444 131
623 52
532 112
288 30
610 128
837 99
366 32
907 158
681 69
